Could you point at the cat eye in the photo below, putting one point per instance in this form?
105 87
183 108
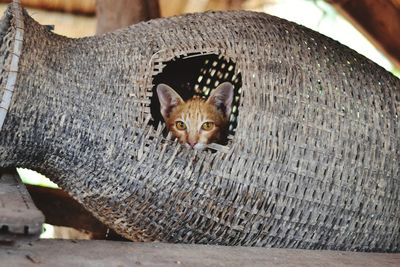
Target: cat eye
180 125
207 126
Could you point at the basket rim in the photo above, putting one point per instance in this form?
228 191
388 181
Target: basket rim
18 23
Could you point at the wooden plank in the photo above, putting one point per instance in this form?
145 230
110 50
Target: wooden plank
113 253
19 218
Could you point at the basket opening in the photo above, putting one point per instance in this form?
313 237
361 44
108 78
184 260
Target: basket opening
198 74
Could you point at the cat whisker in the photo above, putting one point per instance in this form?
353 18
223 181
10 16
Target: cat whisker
218 147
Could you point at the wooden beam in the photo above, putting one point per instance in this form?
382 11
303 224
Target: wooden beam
19 218
378 20
62 210
86 7
110 253
112 15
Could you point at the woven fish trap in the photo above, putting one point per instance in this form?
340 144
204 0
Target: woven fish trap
312 160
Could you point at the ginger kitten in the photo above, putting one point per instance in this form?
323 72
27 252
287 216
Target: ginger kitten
196 122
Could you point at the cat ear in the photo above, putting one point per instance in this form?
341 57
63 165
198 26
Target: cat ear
222 97
168 99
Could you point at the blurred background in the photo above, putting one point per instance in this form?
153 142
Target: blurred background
371 27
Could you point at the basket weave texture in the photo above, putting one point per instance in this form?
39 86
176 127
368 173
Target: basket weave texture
314 162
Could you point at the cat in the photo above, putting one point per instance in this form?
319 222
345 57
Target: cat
196 122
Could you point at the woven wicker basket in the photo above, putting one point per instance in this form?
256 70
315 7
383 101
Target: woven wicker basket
313 162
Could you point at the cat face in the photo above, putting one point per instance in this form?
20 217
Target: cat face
196 122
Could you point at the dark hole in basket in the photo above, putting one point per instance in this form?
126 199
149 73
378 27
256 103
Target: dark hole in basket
198 74
4 229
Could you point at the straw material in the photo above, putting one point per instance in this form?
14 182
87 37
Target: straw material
314 161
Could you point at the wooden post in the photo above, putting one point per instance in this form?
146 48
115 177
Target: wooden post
112 15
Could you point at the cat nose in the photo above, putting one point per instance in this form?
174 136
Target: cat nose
192 143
